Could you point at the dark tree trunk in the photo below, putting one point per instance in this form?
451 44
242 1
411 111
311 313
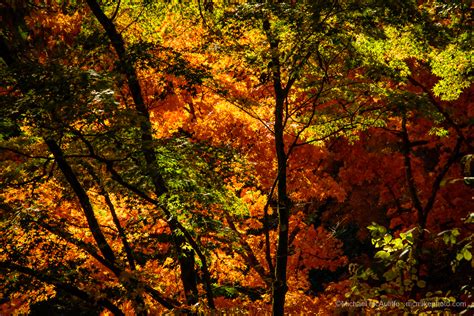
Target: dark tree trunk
83 199
118 226
186 259
279 287
188 275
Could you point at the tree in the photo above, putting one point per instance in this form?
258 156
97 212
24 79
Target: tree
304 50
60 114
161 156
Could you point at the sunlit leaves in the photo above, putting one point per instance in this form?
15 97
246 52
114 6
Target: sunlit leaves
393 51
207 82
454 66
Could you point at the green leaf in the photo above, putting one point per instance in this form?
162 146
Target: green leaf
467 255
382 255
387 238
456 232
397 243
390 275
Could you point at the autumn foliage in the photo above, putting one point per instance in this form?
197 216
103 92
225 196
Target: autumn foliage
238 158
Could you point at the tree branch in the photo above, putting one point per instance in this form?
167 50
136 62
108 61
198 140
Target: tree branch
83 199
63 286
110 205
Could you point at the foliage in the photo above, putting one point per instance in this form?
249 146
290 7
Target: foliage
161 157
399 282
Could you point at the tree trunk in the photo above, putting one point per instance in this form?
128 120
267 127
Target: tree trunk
83 199
188 275
279 287
186 259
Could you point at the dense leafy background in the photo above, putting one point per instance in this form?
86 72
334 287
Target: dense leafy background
142 156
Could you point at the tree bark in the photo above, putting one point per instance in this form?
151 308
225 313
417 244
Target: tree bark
279 287
118 226
81 194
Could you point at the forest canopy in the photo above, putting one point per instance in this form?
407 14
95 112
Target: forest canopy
236 157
